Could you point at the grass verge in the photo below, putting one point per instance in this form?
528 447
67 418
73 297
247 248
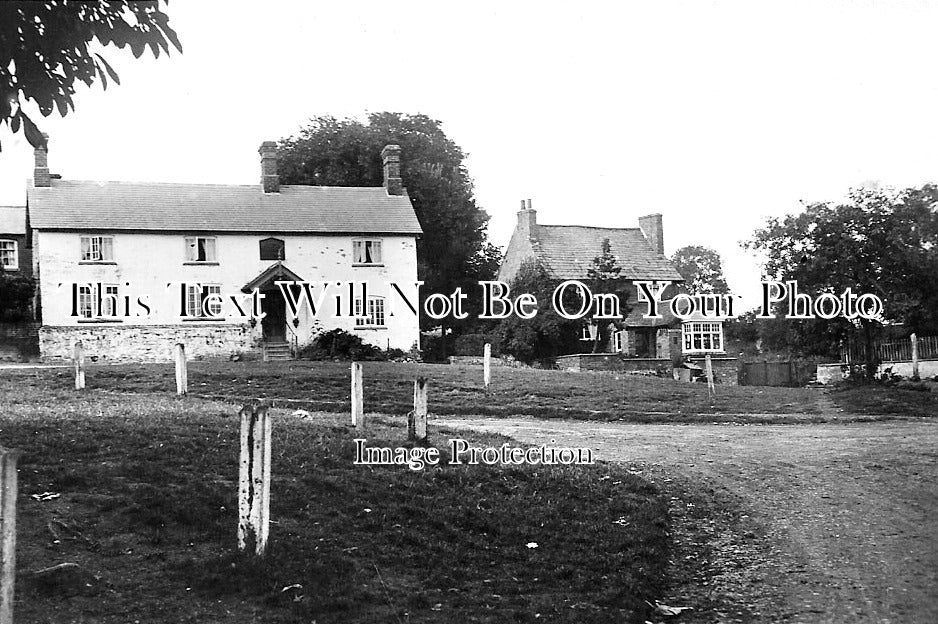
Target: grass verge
147 509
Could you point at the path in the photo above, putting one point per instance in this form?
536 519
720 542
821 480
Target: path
849 511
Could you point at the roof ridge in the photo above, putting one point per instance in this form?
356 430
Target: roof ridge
205 184
591 227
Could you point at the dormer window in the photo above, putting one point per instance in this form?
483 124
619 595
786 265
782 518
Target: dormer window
366 251
97 249
200 249
272 249
8 257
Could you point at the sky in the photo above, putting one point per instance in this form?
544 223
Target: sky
715 114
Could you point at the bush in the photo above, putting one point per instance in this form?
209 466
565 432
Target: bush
338 344
474 344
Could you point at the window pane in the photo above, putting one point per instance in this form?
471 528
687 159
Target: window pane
376 252
107 248
209 249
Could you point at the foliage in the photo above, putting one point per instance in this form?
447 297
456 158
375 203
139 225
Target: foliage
701 268
474 344
879 243
603 278
338 344
46 46
16 296
453 251
545 336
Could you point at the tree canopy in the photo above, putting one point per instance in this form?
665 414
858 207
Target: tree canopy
603 276
453 251
877 242
701 268
46 46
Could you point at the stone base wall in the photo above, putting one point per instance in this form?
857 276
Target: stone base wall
725 369
147 343
833 373
612 362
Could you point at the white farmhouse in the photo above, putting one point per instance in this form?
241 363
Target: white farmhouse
130 269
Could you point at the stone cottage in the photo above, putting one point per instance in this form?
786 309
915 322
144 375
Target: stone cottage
130 268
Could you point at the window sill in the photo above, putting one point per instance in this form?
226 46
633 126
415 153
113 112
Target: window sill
367 264
201 319
94 321
199 263
105 262
11 268
369 327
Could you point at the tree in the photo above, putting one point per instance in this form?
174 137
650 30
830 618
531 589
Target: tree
453 251
701 268
46 46
603 277
876 243
545 336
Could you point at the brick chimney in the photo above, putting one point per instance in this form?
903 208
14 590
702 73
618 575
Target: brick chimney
41 175
653 230
270 179
527 219
391 156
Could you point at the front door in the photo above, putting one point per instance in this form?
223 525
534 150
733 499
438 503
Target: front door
275 323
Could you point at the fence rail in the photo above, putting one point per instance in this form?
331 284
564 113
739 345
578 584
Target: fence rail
896 351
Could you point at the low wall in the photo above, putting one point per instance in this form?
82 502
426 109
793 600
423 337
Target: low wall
145 343
612 362
832 373
725 369
19 342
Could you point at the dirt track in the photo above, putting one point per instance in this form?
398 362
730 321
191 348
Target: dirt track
849 512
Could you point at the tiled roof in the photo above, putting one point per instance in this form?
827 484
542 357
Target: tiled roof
567 252
635 317
12 219
75 205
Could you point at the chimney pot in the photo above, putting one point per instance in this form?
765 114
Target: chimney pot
391 157
270 178
41 177
527 219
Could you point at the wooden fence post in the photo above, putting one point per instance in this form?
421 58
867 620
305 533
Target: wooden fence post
254 480
358 411
182 375
709 370
79 366
8 459
417 421
487 364
914 355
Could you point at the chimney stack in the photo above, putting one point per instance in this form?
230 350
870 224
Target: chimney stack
41 175
527 219
391 156
270 179
653 230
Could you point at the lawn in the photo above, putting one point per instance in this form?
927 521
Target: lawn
146 508
454 390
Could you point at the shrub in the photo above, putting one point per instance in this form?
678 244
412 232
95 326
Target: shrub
474 344
338 344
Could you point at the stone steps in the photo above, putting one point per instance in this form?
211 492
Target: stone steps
277 352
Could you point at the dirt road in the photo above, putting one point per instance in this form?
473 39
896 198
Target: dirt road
844 516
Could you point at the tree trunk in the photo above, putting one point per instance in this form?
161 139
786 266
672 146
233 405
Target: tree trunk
872 359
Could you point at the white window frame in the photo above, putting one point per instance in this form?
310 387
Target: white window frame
588 332
210 250
86 301
703 337
375 316
367 252
617 341
97 249
12 254
196 294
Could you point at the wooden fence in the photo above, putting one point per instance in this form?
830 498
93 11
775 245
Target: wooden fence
791 373
896 351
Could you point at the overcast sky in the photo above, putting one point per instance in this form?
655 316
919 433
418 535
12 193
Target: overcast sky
715 114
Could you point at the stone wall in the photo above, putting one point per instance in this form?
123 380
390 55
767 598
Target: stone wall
146 343
611 362
19 342
725 369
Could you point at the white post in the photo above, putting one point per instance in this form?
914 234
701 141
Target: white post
358 412
182 376
487 364
914 356
417 423
254 480
709 370
8 459
79 366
